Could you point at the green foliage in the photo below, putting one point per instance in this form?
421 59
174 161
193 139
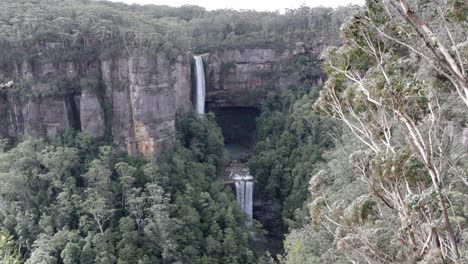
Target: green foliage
8 251
67 30
36 35
335 192
290 142
384 86
71 200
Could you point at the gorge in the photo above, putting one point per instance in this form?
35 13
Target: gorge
157 134
135 100
132 101
240 175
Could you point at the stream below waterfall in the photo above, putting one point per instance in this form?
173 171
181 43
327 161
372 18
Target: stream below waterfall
238 173
238 125
266 211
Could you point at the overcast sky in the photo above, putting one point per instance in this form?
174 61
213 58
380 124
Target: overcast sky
260 5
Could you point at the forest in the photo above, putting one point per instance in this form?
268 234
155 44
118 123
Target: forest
367 165
91 28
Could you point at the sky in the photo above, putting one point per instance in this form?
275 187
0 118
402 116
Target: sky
259 5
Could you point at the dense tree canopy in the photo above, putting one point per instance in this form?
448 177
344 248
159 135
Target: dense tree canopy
290 141
68 201
289 144
398 87
90 28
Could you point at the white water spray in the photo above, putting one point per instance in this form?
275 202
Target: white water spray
244 192
200 92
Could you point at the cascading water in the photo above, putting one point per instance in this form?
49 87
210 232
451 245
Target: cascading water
244 192
200 93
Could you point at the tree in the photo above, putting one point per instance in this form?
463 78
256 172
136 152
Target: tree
71 253
437 37
128 247
98 195
42 252
159 227
98 207
8 251
378 87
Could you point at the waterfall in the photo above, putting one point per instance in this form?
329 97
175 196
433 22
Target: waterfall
240 193
244 193
248 208
200 92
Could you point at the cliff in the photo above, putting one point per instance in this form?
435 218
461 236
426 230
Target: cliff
65 58
241 78
132 100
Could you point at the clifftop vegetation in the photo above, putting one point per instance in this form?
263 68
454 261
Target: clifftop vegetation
85 28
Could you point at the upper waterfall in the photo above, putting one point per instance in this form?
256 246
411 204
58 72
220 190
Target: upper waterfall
200 92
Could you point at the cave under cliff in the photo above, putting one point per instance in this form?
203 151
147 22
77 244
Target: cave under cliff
238 125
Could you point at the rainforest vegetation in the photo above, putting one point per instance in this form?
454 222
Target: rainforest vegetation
71 200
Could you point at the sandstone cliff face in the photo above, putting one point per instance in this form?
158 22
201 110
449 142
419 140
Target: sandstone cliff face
157 90
35 117
133 99
240 78
92 118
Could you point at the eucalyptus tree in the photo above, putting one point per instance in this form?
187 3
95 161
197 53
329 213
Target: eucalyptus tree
437 32
8 251
98 200
389 84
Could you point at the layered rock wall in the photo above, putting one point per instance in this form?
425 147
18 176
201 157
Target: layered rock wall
240 78
134 100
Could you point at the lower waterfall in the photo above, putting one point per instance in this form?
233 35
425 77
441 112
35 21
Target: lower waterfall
244 193
244 183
